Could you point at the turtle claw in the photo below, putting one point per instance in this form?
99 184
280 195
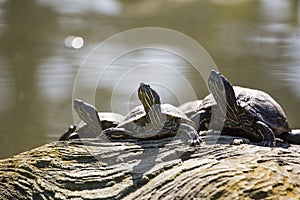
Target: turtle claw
195 142
269 143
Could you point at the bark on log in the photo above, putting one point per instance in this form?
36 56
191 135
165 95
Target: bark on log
151 170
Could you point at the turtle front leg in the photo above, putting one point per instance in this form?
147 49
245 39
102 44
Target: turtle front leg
189 135
267 134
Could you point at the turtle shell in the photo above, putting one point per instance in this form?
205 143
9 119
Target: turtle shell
263 108
107 119
259 105
189 108
137 115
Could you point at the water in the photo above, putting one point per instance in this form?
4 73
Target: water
254 43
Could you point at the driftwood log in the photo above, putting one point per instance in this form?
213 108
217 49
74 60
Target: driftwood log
165 169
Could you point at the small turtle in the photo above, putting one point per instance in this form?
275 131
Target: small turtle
153 120
92 123
246 112
189 108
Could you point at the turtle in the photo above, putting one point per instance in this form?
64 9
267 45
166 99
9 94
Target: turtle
243 112
93 122
189 108
153 120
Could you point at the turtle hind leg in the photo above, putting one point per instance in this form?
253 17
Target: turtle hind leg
267 134
292 137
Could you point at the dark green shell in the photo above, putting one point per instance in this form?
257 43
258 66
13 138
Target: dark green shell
107 120
258 105
189 108
137 116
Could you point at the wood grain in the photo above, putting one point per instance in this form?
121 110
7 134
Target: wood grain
154 169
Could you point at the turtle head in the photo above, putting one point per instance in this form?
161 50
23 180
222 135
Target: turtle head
224 95
148 96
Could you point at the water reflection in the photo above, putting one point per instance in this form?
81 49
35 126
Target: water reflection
24 44
74 42
254 43
111 8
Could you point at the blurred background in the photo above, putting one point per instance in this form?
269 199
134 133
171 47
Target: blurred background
255 44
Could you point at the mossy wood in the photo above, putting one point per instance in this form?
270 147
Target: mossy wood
151 170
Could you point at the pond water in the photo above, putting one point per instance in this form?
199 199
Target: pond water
254 44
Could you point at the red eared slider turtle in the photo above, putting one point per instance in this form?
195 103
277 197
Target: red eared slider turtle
247 112
189 108
153 120
92 123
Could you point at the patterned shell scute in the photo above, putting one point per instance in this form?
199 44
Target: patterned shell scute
135 114
171 111
263 107
207 102
108 116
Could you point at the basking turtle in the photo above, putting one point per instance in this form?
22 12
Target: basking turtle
153 120
189 108
92 123
246 112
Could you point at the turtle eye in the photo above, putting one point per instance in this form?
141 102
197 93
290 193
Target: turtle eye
216 80
155 97
145 85
148 95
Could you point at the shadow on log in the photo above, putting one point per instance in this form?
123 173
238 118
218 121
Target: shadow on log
151 170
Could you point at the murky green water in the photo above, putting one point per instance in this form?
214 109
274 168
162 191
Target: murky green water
254 43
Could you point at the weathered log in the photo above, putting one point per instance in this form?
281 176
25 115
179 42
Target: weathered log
152 170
